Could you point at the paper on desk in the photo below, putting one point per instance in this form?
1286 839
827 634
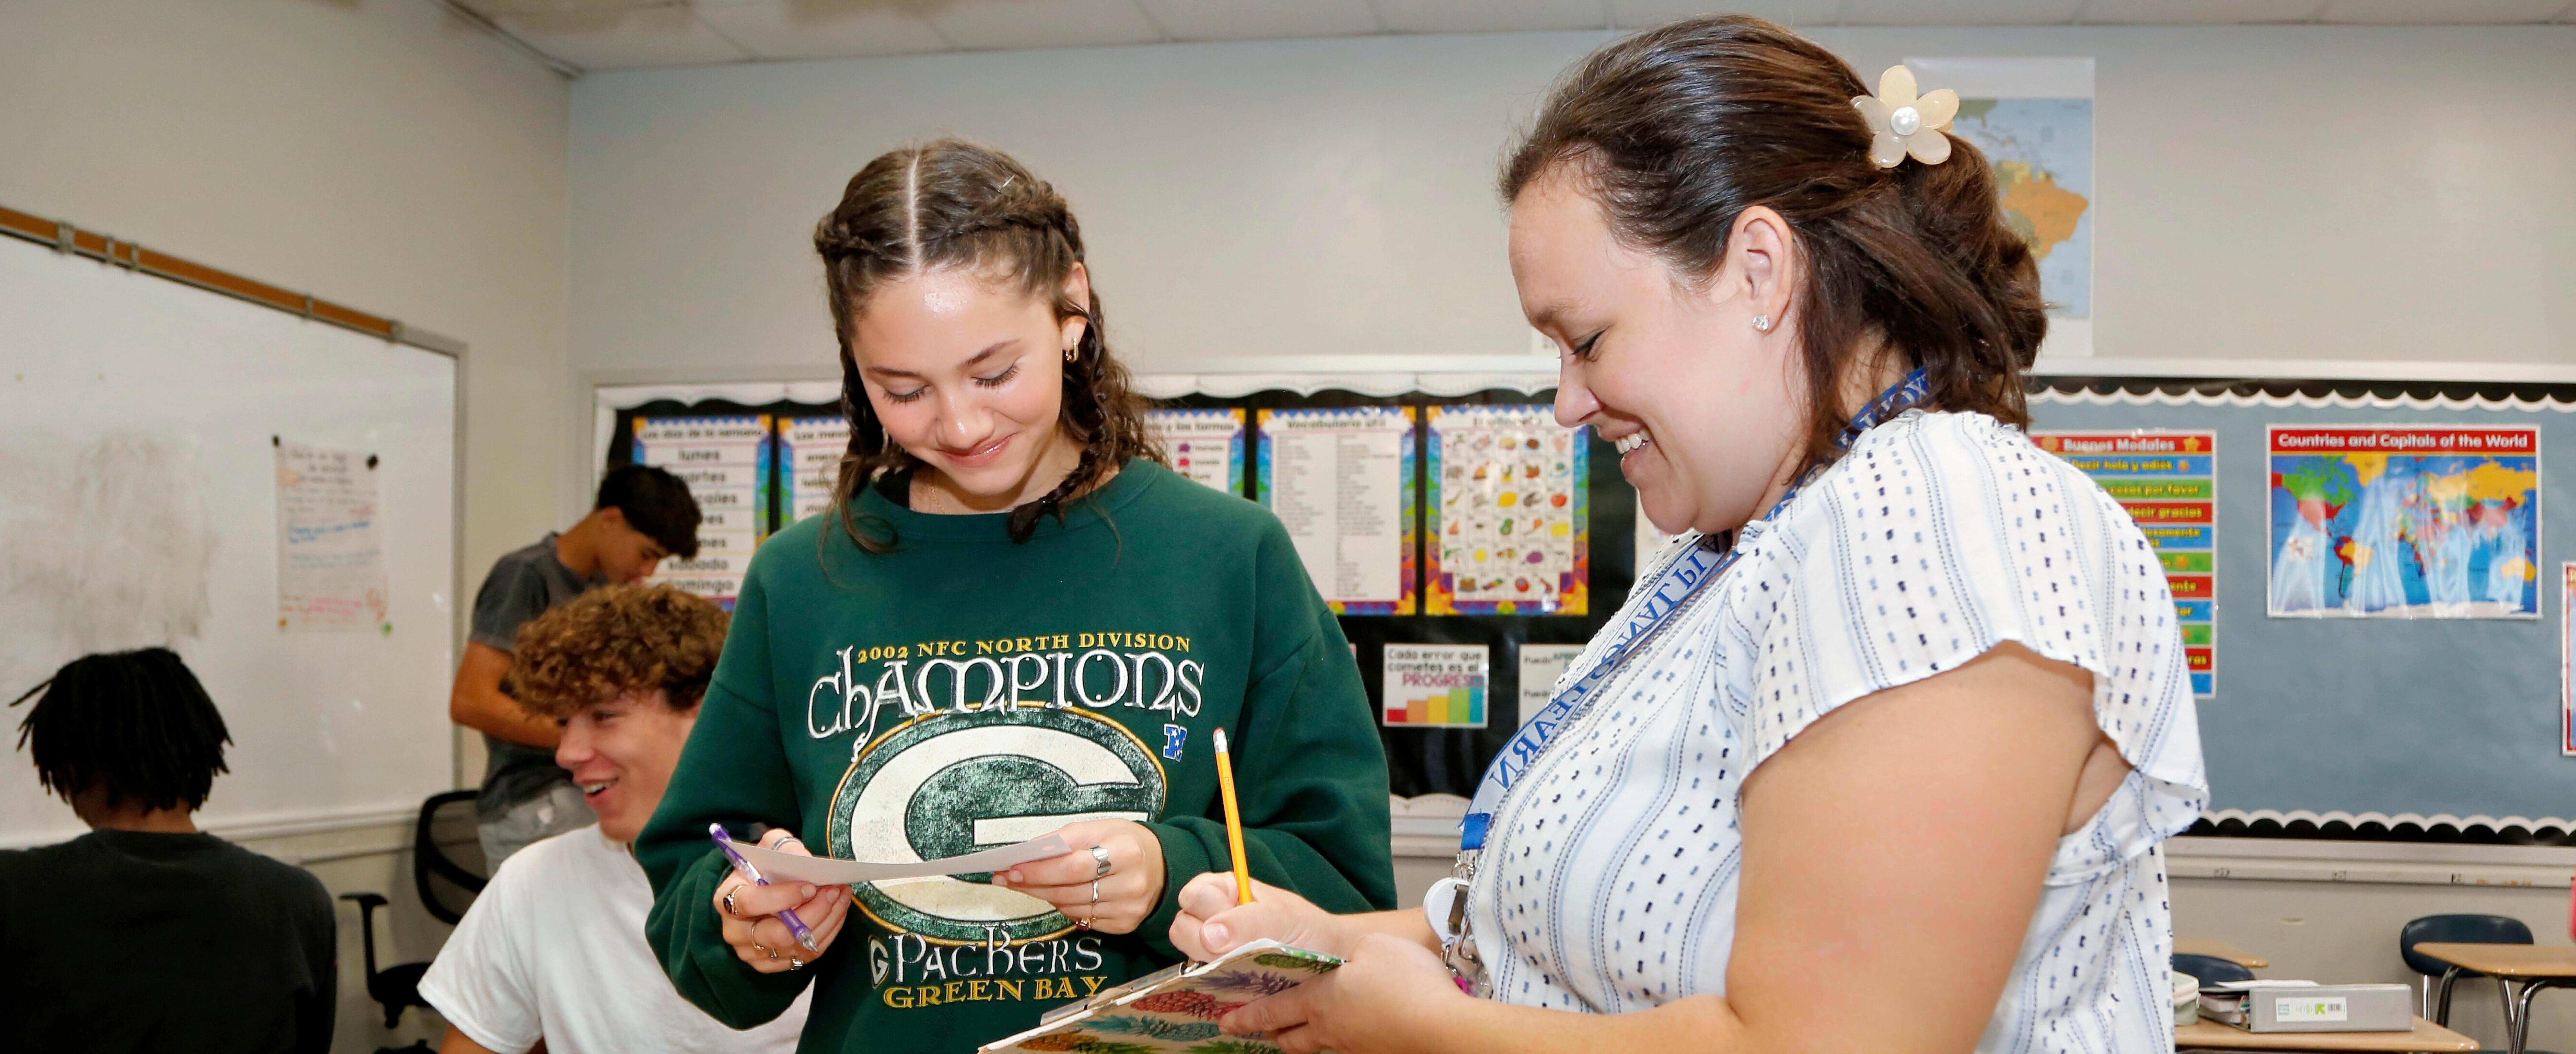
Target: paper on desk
826 871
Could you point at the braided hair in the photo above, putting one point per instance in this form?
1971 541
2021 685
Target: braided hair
951 203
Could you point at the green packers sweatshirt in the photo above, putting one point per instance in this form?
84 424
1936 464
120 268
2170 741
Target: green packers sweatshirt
965 692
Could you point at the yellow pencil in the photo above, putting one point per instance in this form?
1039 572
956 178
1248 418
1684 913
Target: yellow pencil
1233 822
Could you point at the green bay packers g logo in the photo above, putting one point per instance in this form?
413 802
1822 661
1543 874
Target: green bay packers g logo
949 783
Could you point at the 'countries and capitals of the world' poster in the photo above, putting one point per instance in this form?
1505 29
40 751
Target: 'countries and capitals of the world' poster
2168 482
2374 521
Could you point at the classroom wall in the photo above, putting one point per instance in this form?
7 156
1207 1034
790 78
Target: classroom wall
380 153
2275 192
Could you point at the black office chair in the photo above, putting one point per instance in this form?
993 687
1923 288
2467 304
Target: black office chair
2210 969
2459 929
447 867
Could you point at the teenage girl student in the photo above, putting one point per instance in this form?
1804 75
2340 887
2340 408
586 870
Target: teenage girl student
1017 622
1879 755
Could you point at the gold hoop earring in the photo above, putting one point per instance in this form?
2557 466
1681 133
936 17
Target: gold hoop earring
1071 353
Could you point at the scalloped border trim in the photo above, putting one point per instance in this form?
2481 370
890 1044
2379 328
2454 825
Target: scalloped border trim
2161 397
2357 819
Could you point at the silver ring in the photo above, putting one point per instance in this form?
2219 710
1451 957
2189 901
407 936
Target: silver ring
728 902
794 963
773 952
1095 891
760 948
1099 861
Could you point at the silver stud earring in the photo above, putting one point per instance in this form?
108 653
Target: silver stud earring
1762 323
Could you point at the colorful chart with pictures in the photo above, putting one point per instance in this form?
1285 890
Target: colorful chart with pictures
1203 445
1341 481
1174 1010
725 462
1509 517
2400 522
811 448
2169 483
1443 685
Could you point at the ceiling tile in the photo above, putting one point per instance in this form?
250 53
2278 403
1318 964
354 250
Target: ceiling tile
1260 19
1637 14
607 40
2442 12
518 7
1038 23
2196 12
1959 12
817 29
1491 16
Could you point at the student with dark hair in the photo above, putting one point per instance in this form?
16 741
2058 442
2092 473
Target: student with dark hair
1017 622
553 951
1880 754
144 934
642 516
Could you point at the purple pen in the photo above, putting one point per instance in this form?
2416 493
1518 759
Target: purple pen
743 867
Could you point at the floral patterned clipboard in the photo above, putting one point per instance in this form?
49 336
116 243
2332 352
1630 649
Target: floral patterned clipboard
1173 1011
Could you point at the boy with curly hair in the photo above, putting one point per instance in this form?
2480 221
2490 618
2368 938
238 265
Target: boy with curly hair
553 950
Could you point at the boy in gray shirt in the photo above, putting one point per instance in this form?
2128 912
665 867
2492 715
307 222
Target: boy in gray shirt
642 515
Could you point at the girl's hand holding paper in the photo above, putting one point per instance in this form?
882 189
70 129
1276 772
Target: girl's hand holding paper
1109 880
751 925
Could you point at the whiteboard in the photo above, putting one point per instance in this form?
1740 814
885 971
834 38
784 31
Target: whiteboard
137 475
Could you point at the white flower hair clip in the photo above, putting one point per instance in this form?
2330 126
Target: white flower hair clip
1901 123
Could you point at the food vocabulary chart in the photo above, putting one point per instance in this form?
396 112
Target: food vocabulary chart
1510 526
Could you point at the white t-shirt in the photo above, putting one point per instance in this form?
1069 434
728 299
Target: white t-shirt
1608 882
554 949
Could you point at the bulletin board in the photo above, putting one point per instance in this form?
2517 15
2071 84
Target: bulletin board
2315 723
2433 713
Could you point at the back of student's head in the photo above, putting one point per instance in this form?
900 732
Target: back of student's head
135 724
616 640
655 503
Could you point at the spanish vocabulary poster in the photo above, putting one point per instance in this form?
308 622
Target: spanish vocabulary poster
1341 481
1510 529
2168 482
2404 522
811 449
725 462
1435 685
330 556
1203 445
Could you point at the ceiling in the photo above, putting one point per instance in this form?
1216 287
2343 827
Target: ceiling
621 34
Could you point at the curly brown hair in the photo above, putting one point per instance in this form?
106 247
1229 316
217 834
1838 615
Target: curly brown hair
614 640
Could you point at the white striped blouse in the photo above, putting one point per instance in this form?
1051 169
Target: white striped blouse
1609 879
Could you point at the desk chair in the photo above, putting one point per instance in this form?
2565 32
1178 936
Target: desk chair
2210 969
447 868
2464 929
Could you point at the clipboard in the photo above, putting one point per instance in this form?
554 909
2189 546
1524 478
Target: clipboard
1173 1010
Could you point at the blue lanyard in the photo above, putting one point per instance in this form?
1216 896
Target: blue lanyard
1701 564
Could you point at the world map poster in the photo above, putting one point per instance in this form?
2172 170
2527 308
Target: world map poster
2393 522
2042 153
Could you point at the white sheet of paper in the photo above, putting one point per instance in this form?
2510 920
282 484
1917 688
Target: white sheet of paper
826 871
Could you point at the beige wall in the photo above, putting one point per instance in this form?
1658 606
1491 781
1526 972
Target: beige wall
2293 192
380 153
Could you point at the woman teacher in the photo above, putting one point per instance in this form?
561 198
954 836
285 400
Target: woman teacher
1879 755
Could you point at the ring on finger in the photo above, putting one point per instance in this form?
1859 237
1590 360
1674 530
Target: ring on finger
1099 861
764 948
729 907
1095 891
794 963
